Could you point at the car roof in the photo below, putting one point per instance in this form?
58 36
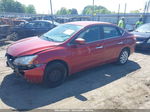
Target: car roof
45 21
88 23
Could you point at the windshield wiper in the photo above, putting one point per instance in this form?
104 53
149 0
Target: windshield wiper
49 39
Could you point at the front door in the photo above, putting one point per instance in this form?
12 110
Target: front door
90 53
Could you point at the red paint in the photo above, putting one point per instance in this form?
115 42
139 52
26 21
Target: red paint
35 75
29 46
77 57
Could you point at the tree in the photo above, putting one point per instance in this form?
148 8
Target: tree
30 9
69 11
74 11
97 9
64 11
14 6
18 7
7 5
1 7
10 6
135 11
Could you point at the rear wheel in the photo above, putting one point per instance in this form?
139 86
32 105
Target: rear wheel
123 57
55 74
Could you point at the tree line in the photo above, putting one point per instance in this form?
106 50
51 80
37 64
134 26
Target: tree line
90 10
15 6
87 10
65 11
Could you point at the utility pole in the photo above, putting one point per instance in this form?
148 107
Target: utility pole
125 7
93 10
148 6
118 13
51 11
144 12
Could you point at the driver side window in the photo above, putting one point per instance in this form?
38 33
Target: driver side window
91 34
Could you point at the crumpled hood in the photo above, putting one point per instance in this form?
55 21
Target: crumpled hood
29 46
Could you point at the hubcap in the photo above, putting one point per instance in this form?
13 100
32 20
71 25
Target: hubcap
124 57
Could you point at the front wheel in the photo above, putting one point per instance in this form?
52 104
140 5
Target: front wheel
55 74
123 57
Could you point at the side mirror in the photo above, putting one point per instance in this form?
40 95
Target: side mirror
80 41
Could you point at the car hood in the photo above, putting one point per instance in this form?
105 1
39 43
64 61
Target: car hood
29 46
141 34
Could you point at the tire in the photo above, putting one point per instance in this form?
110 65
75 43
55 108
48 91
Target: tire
13 36
123 57
55 74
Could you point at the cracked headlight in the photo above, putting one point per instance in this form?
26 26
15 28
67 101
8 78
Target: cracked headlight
24 60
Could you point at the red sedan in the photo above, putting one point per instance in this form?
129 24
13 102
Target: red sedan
69 48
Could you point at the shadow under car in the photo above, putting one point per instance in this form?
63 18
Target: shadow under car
17 93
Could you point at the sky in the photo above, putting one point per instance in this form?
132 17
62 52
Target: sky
43 6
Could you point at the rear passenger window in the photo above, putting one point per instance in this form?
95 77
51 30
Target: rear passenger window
110 32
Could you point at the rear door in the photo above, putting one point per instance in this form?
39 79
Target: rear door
95 41
113 41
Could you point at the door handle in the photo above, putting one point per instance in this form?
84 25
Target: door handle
119 43
100 47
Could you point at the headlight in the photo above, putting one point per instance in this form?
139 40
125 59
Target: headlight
148 41
25 60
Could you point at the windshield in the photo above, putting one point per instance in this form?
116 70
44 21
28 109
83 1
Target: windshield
143 28
61 33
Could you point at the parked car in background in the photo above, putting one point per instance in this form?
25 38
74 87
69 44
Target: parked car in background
129 27
67 49
143 37
5 30
33 28
7 24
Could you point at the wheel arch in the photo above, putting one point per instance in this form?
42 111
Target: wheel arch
128 49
